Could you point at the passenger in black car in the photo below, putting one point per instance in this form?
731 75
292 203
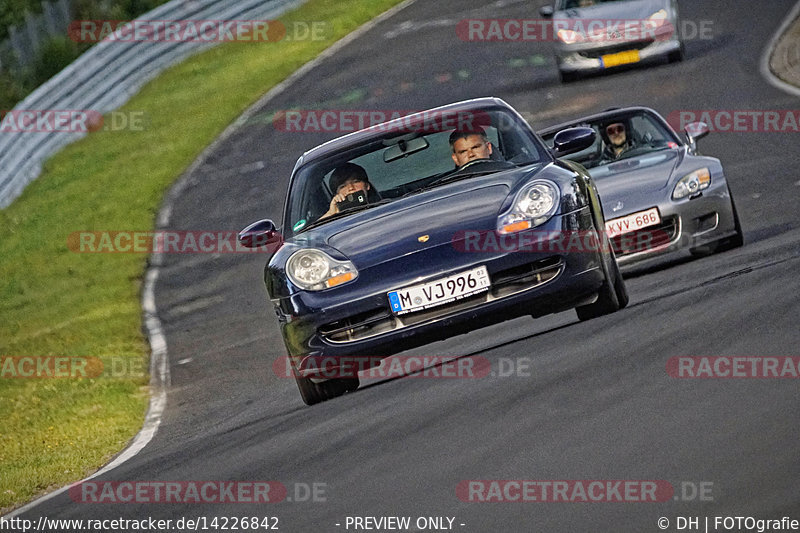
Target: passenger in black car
347 179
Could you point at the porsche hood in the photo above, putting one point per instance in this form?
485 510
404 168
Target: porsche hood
425 220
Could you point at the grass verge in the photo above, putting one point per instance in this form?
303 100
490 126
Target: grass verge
55 302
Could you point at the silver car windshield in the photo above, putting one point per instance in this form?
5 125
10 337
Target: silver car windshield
621 137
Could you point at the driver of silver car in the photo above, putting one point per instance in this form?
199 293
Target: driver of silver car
616 139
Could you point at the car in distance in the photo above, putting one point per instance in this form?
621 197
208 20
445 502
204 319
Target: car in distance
416 260
596 35
660 196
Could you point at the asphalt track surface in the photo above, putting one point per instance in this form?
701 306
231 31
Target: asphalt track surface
595 402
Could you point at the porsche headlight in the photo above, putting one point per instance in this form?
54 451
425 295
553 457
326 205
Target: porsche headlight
692 183
314 270
533 205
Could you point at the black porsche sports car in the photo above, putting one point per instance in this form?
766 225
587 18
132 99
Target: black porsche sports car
428 226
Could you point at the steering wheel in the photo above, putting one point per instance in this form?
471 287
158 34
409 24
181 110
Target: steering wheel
472 163
475 162
633 152
459 170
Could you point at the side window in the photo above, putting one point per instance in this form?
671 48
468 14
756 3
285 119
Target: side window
316 200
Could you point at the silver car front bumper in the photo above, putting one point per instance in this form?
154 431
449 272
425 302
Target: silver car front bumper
587 58
692 223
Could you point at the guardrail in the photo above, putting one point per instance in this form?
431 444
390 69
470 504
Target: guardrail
107 76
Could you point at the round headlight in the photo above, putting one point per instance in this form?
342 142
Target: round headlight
539 201
314 270
533 205
307 268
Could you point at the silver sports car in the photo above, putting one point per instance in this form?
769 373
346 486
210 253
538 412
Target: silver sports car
595 35
659 195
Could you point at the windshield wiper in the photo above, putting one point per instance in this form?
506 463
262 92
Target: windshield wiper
447 179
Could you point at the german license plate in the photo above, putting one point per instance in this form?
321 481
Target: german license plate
639 220
620 58
440 291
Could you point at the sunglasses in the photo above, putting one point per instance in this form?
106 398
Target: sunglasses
615 129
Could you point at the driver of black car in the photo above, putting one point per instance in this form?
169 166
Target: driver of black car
470 145
616 139
351 187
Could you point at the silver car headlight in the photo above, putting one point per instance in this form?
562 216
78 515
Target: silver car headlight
692 183
533 205
568 36
314 270
659 25
658 18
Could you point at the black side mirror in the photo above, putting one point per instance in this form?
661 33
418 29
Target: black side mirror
573 140
261 233
546 11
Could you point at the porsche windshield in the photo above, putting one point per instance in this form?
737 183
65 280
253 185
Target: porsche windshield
620 137
406 156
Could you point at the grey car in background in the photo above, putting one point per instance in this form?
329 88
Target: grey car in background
659 195
597 35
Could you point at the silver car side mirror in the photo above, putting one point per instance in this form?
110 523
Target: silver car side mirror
695 131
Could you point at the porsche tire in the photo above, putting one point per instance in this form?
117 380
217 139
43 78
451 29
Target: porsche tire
613 294
313 393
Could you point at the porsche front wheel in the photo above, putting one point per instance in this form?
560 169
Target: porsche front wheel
613 294
313 393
